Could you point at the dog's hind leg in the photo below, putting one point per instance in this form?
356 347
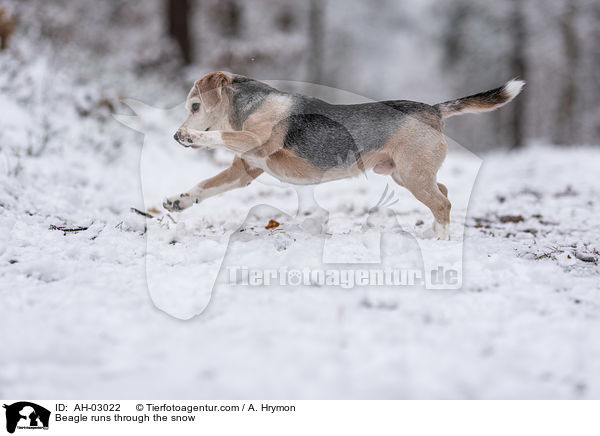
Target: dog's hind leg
417 159
441 186
238 175
419 177
397 179
434 196
443 189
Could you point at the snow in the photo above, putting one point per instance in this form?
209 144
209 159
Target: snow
77 319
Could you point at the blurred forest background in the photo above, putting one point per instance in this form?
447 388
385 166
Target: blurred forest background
382 49
81 195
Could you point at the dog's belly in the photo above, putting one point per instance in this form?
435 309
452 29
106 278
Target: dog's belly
289 167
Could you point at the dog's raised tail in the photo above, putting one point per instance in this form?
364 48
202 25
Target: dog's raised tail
482 102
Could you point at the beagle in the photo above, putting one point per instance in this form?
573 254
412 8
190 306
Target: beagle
305 140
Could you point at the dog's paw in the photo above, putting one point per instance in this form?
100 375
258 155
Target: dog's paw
195 139
184 137
177 203
441 231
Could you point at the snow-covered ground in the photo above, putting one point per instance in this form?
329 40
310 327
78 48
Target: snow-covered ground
77 320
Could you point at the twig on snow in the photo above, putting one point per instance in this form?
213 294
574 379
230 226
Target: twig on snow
139 212
67 229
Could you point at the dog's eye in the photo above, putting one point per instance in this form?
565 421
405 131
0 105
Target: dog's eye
195 107
206 130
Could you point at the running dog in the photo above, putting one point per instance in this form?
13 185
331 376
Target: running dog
303 140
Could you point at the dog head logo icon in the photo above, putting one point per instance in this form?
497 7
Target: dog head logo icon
26 415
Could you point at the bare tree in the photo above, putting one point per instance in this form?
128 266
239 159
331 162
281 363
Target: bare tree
316 35
595 67
519 68
178 13
229 16
7 26
565 117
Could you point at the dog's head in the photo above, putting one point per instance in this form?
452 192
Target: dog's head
208 104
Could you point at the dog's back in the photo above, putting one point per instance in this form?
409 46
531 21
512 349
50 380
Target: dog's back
330 135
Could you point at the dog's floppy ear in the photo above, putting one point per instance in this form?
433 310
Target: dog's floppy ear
210 88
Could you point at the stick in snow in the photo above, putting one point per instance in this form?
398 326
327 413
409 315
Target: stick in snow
139 212
67 229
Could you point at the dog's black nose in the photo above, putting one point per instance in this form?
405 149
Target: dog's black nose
176 136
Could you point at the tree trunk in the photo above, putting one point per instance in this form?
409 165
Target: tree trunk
565 117
179 13
593 109
519 68
316 36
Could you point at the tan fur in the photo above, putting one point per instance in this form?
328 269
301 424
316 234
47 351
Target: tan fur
210 87
288 166
239 171
262 133
266 124
418 151
238 175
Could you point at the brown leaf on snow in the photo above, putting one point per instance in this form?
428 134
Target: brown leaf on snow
272 224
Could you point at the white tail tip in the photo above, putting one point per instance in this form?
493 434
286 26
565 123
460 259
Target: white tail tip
514 87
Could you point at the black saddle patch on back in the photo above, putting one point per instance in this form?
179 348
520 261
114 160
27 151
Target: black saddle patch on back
323 142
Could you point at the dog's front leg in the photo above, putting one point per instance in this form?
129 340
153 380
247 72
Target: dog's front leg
238 175
237 141
198 139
